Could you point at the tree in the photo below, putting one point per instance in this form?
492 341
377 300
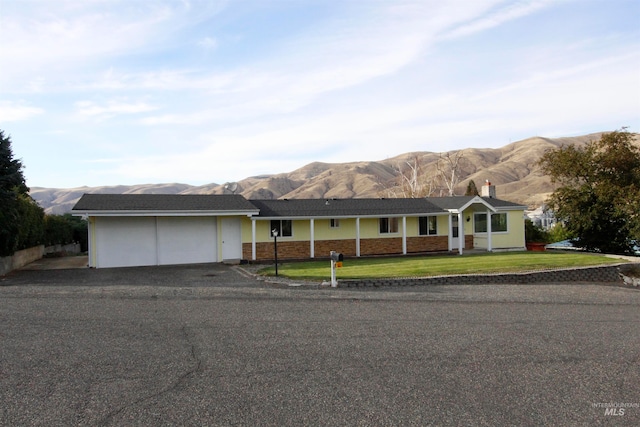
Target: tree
598 194
21 219
63 229
448 166
410 180
534 233
472 190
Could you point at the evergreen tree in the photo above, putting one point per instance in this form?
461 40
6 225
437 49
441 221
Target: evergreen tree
472 190
21 219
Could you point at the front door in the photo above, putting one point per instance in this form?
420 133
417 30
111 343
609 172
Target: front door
455 242
231 239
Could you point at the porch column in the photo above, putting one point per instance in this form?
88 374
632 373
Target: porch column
92 241
312 239
404 235
489 248
358 236
450 234
253 239
460 233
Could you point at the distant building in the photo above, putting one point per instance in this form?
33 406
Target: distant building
542 217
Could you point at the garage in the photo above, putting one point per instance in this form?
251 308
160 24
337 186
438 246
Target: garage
144 229
138 241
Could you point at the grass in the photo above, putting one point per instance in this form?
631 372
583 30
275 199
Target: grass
363 268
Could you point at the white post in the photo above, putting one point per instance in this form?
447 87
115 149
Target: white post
358 236
334 282
312 243
450 234
460 233
489 230
253 239
404 235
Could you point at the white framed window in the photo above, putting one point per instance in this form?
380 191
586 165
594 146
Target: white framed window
498 222
428 225
283 226
388 225
334 223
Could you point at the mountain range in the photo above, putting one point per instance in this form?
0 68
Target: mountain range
513 169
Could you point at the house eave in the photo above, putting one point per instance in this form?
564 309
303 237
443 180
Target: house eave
379 215
141 213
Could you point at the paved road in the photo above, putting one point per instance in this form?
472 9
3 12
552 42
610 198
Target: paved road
208 346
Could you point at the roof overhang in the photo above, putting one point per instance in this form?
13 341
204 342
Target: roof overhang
380 215
141 213
475 200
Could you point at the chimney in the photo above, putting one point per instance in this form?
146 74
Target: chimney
488 190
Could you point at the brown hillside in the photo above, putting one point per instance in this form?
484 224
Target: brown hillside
512 168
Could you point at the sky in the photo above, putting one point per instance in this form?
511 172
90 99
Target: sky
108 92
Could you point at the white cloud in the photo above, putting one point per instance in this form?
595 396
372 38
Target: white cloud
80 35
112 108
13 112
498 17
269 86
208 43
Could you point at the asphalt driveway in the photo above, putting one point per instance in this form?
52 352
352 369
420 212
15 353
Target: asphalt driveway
71 272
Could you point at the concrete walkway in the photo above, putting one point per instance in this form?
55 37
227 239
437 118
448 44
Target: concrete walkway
59 263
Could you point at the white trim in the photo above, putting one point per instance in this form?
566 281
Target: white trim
312 238
165 213
358 236
404 235
449 233
460 233
475 200
488 230
253 239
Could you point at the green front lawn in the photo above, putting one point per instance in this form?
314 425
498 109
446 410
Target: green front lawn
501 262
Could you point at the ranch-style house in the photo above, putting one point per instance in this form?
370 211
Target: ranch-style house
156 229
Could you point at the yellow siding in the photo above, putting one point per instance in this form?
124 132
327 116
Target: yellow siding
245 226
443 225
513 238
346 230
369 229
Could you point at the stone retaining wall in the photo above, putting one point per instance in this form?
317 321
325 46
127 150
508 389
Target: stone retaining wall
601 274
20 259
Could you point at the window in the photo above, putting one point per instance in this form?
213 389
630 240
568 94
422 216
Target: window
388 225
334 223
428 225
498 222
283 226
455 230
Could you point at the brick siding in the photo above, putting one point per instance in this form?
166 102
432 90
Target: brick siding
322 248
377 246
427 244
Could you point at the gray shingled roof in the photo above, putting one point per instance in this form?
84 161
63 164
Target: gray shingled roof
275 208
163 202
343 207
455 202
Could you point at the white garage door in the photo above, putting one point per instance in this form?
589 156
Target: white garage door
125 242
187 240
138 241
